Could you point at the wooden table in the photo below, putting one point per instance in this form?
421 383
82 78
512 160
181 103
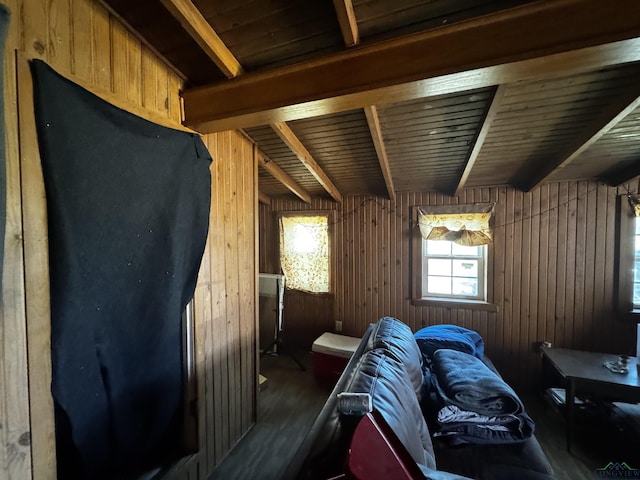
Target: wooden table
583 372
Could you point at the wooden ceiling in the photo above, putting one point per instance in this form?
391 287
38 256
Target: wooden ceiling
385 96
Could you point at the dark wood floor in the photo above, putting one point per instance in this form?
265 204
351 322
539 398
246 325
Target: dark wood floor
292 399
286 409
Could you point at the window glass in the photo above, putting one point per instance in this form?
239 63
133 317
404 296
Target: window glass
636 265
453 271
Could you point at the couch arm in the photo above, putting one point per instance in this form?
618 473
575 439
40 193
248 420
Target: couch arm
325 445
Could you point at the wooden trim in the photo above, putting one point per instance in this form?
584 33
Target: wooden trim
610 119
482 136
286 134
561 38
348 22
263 198
373 121
282 176
38 304
201 31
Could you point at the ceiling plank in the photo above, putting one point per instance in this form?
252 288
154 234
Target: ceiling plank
606 122
286 134
617 178
348 22
537 40
482 135
378 142
264 198
282 176
201 31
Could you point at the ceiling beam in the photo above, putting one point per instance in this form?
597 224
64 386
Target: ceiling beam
348 22
201 31
537 40
263 198
295 145
618 177
482 136
282 176
609 119
378 142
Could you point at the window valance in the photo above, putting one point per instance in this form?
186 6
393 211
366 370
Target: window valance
468 225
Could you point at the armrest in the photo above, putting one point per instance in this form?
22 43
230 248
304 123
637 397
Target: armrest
318 439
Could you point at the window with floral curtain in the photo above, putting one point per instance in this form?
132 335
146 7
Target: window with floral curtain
453 251
304 252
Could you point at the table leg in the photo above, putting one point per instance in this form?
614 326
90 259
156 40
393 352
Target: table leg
570 406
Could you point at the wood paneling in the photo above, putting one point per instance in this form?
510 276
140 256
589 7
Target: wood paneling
551 271
271 33
429 141
225 303
87 44
343 147
540 121
376 19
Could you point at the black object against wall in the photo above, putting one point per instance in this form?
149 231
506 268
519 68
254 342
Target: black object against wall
128 211
5 16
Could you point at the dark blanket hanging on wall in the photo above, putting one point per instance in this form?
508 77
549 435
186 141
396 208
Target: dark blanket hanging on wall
128 209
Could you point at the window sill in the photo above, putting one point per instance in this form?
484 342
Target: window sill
455 303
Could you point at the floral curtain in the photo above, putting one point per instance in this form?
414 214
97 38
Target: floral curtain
304 252
468 225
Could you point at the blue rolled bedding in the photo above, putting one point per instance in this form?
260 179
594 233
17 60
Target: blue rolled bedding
487 410
465 381
434 337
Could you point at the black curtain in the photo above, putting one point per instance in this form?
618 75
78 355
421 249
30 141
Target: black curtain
128 209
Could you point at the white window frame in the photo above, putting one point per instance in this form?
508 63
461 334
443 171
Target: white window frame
482 272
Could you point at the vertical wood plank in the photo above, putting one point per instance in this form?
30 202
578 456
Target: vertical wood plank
35 30
578 340
101 47
82 34
134 73
60 35
119 61
15 453
148 72
553 261
36 284
561 277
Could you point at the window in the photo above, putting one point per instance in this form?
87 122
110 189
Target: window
453 271
304 251
628 256
636 264
450 247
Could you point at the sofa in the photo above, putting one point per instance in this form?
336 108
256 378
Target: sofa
390 366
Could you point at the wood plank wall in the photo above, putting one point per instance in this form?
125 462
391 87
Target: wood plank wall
552 271
80 39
